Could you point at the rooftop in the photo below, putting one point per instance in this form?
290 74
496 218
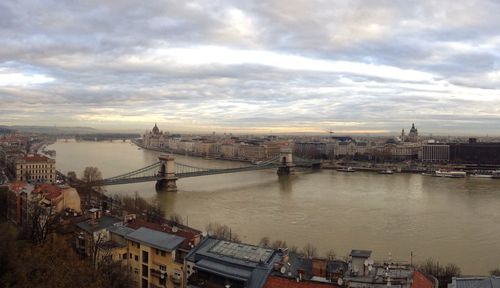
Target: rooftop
35 159
475 282
156 239
48 190
121 230
183 231
282 282
98 224
20 186
241 262
361 253
242 251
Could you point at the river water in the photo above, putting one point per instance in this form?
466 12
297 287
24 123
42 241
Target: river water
450 220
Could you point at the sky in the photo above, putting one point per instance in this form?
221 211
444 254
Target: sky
276 66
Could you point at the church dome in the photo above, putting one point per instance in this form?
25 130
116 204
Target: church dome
156 130
413 129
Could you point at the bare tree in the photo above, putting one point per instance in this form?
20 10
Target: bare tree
279 244
222 232
330 254
293 249
264 242
175 218
72 176
309 251
96 246
90 175
40 221
444 274
495 272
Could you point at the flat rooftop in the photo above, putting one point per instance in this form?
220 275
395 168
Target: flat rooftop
243 252
156 239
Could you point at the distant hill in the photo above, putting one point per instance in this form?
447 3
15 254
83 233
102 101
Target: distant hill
5 130
53 130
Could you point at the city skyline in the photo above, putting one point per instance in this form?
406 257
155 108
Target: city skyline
289 67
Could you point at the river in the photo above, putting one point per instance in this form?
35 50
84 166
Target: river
451 220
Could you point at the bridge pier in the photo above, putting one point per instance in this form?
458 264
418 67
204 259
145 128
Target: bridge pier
287 167
166 185
167 173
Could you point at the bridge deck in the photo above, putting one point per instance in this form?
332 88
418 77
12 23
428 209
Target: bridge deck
151 172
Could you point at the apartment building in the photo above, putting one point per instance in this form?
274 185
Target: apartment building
153 258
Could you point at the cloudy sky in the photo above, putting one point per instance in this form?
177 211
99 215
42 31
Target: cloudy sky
252 66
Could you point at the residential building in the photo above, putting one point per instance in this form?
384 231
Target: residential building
251 151
229 150
36 168
59 197
309 272
93 232
192 236
17 201
153 258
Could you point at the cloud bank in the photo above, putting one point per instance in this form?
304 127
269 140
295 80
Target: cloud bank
252 66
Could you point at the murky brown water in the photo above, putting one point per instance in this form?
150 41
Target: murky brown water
451 220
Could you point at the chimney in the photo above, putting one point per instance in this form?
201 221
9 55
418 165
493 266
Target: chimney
95 213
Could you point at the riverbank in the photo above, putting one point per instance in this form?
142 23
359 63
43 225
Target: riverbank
184 153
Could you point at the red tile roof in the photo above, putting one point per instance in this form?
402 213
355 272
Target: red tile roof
35 158
49 191
17 186
282 282
421 281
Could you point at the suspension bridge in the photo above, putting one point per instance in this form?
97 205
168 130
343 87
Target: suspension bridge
166 171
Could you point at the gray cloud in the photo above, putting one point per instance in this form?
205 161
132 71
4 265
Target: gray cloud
130 63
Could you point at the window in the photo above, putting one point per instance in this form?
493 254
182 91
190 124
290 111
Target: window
145 257
163 253
130 255
145 271
124 256
144 283
136 257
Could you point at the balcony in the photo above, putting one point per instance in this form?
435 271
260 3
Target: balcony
158 273
175 278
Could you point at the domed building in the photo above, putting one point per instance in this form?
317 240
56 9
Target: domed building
154 138
413 135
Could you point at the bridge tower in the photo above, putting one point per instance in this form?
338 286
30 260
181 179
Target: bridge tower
287 167
167 174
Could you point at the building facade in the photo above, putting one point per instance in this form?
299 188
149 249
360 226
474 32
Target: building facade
435 153
35 168
153 258
154 139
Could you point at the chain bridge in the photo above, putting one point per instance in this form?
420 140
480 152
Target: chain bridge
166 171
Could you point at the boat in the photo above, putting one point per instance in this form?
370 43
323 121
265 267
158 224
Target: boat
496 174
346 169
450 174
386 171
477 175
